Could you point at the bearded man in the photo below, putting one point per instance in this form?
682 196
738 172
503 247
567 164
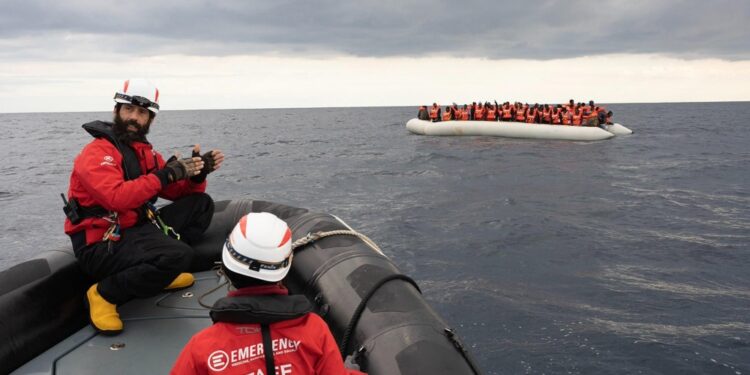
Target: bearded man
121 240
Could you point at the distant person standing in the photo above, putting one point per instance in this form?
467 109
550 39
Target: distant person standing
520 112
565 117
435 112
466 113
448 114
479 113
507 112
491 112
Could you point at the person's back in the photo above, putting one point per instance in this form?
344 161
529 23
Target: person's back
301 345
260 313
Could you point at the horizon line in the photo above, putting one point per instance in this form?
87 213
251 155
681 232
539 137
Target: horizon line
377 106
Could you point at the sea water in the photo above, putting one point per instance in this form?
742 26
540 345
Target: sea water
624 256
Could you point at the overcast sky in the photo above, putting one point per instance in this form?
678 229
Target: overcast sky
251 54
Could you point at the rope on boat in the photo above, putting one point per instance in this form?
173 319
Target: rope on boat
219 273
311 237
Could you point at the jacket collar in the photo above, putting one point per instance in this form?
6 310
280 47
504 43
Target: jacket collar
274 289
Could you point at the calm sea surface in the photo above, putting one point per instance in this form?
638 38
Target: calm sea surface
624 256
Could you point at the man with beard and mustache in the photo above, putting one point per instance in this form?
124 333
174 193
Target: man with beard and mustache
120 239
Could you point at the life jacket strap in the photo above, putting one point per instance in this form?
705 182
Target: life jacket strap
265 330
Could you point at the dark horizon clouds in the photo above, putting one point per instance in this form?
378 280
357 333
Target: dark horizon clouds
540 30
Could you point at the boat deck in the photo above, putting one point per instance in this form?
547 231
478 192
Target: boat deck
156 329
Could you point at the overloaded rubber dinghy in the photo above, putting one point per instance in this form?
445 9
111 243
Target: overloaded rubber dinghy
376 313
513 130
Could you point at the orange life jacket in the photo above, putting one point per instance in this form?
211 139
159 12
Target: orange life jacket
592 113
447 115
577 119
546 115
556 117
491 114
479 114
466 114
531 116
434 113
507 113
521 114
566 120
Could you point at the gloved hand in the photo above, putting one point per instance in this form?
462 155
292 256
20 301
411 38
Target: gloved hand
180 169
208 165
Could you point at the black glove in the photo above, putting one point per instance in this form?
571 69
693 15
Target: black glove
208 166
180 169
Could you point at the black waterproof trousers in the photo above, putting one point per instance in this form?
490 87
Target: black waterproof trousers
145 260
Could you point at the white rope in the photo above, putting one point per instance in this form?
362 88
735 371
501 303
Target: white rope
318 235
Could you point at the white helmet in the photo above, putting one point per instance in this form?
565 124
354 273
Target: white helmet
260 246
139 92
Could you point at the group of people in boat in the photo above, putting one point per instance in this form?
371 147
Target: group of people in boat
574 114
133 250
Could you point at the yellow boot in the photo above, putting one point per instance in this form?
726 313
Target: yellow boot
182 280
103 315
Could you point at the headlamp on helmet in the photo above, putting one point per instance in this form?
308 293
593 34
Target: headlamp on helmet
260 246
139 92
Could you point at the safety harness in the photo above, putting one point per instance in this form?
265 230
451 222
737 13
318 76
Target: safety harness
131 170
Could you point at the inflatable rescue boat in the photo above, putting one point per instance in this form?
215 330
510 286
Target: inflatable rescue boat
375 312
514 130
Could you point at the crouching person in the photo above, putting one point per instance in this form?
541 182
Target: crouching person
130 248
259 313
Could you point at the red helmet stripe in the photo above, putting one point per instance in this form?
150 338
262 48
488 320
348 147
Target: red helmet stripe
243 226
287 236
125 87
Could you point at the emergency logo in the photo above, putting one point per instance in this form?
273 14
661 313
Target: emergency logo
218 360
108 160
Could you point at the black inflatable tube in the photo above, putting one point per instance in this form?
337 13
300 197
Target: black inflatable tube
41 304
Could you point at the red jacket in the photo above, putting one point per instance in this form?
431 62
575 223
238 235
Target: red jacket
98 180
302 346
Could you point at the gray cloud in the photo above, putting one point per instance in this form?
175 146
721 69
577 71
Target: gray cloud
475 28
